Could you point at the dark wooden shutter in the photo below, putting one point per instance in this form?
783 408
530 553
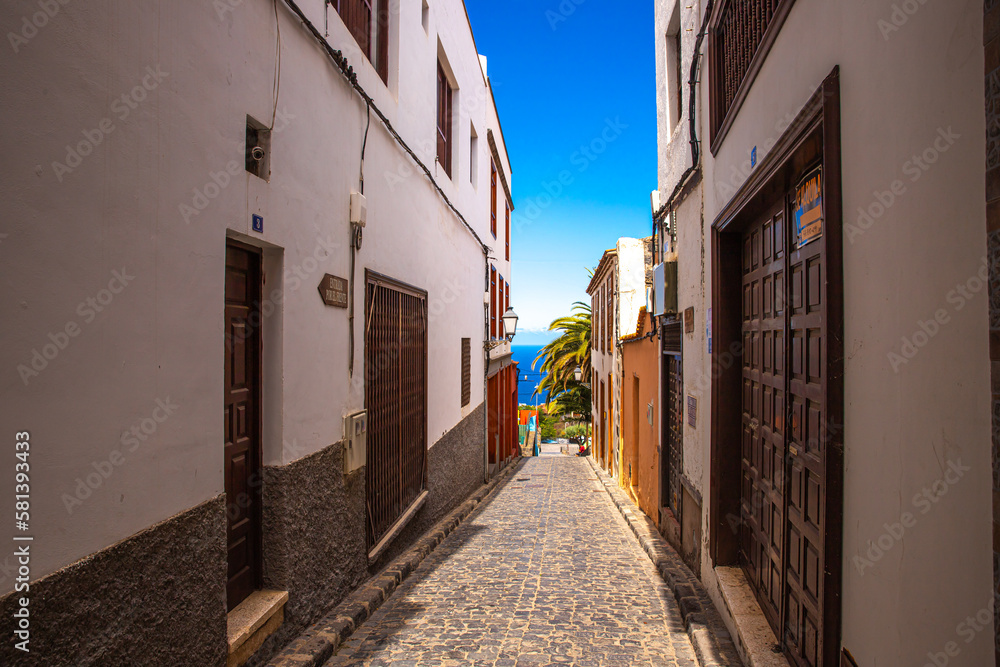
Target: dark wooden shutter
368 21
466 371
500 311
444 112
493 198
357 16
507 226
493 302
382 41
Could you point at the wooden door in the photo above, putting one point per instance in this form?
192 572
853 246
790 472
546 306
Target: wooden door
763 502
242 422
782 494
806 467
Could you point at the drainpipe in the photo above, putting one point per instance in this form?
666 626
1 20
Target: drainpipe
486 372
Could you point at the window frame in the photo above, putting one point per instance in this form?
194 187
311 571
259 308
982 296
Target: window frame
445 111
368 18
493 197
506 207
493 303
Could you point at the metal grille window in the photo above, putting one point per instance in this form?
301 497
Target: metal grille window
674 428
742 32
358 16
396 400
466 371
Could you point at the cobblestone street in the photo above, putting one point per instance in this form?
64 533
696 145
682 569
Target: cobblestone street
546 572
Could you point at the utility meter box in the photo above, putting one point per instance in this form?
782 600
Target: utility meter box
665 288
355 440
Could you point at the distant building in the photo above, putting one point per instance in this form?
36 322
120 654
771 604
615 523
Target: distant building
200 335
618 292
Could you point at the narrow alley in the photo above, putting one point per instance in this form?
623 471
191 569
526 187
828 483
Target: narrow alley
544 572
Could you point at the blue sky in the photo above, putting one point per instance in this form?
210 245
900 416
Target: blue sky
574 82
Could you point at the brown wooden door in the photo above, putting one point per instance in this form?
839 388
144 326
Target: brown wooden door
806 453
242 422
762 530
782 491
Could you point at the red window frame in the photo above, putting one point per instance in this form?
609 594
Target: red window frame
493 197
493 302
444 114
506 207
357 16
500 310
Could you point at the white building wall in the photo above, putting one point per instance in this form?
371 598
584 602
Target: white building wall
902 90
122 209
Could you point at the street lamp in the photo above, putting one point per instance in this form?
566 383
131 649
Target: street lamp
578 374
510 323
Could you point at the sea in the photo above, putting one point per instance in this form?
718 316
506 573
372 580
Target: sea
528 379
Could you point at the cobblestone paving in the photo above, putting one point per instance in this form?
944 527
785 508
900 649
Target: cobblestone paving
546 573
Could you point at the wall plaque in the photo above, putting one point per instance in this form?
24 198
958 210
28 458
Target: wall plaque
689 320
334 291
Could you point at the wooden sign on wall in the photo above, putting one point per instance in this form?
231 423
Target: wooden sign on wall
689 320
334 291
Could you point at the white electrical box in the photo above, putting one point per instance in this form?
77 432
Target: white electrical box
359 209
355 440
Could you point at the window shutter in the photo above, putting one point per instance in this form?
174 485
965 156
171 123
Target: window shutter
506 207
466 371
444 120
493 198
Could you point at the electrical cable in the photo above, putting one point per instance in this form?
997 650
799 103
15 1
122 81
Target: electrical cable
355 246
352 77
277 64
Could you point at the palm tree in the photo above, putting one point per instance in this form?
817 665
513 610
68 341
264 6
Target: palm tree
561 358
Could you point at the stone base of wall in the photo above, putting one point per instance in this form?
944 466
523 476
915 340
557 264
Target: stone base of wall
156 598
159 597
314 530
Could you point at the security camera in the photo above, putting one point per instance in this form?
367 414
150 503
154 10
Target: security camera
257 153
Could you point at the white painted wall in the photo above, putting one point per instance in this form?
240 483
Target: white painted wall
900 88
160 338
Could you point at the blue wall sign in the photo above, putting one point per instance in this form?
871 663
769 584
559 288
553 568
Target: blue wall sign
258 224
